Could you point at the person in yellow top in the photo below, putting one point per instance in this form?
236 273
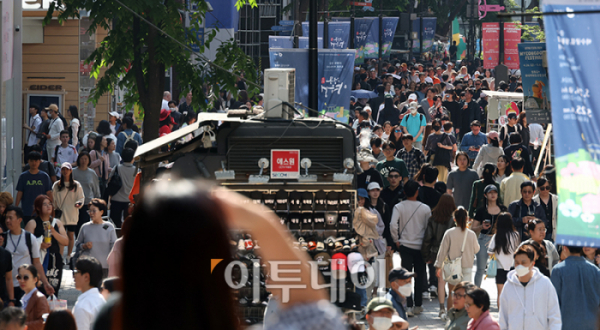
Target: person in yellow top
510 188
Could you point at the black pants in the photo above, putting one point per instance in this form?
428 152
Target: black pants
433 280
83 218
118 210
19 293
412 259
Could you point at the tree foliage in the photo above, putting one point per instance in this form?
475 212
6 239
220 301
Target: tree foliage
136 54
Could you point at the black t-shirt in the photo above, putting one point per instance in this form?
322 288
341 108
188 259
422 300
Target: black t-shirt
519 150
505 132
295 201
320 200
429 196
391 197
307 201
5 266
482 214
368 176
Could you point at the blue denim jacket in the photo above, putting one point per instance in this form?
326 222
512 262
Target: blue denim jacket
472 140
397 301
577 284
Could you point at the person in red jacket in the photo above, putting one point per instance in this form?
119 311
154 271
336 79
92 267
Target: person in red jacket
166 123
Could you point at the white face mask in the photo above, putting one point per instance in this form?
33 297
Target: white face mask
172 109
522 270
413 111
382 323
405 290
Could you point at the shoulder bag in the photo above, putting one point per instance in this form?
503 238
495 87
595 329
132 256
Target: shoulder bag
492 269
115 183
453 268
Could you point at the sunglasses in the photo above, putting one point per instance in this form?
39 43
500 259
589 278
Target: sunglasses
393 176
397 131
24 277
544 188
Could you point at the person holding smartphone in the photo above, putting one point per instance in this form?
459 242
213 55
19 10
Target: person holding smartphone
68 198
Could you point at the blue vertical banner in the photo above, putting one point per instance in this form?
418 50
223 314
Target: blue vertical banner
335 78
305 29
303 42
389 30
281 42
297 59
339 35
366 38
536 96
573 46
335 74
428 33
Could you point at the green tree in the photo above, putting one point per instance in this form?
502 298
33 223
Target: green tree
144 39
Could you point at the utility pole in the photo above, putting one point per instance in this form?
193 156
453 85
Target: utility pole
313 59
380 55
326 26
522 18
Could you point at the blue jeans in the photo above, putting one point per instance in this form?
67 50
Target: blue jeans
482 257
363 296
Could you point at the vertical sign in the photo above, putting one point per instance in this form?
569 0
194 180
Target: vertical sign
366 38
339 35
491 38
536 94
428 31
7 39
335 71
389 30
512 38
285 164
573 46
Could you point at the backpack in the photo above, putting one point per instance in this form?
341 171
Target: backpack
129 138
27 242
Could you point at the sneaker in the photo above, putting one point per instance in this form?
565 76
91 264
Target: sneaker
426 295
433 291
417 310
409 312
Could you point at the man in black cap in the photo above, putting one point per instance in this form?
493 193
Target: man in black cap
508 129
401 288
392 194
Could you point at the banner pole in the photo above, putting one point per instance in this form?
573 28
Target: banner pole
545 148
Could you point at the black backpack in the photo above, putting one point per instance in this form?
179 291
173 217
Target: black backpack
27 242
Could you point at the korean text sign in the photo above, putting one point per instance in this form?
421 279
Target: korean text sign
573 45
536 96
285 164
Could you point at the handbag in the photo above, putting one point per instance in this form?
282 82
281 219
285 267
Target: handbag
56 304
492 269
453 268
114 184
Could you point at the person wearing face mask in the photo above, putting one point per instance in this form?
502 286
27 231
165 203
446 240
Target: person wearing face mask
414 124
369 174
176 115
529 300
379 313
401 288
537 231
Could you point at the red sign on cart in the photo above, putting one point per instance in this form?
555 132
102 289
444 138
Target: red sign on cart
285 164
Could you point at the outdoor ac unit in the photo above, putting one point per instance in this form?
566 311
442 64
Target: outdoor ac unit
279 87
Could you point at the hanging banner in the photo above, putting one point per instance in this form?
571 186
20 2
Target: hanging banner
303 43
536 100
297 59
339 35
305 29
335 78
512 38
335 74
460 40
428 33
491 38
573 72
281 42
389 30
366 38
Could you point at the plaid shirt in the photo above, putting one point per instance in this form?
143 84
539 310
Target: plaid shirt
413 159
316 315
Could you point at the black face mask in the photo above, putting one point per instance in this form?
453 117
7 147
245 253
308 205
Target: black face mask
436 128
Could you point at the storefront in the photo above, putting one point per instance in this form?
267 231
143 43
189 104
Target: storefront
53 64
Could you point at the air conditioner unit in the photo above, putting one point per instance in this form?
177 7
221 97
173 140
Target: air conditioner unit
279 88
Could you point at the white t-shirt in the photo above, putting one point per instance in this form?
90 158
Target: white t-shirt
34 122
505 260
68 154
165 104
20 253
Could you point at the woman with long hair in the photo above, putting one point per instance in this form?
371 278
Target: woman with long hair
463 74
452 243
484 223
34 302
549 202
523 129
97 237
396 137
75 124
488 153
208 217
502 246
537 231
90 142
477 194
503 169
113 157
68 198
100 162
88 180
50 252
437 225
490 79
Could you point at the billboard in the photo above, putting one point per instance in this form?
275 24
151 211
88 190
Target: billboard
536 96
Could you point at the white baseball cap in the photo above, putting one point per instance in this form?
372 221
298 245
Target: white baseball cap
114 114
429 80
412 96
373 185
355 258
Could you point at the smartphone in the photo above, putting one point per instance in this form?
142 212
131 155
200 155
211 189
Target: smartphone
487 221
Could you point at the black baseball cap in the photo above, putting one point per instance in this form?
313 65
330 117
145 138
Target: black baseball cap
512 115
475 123
400 274
394 170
